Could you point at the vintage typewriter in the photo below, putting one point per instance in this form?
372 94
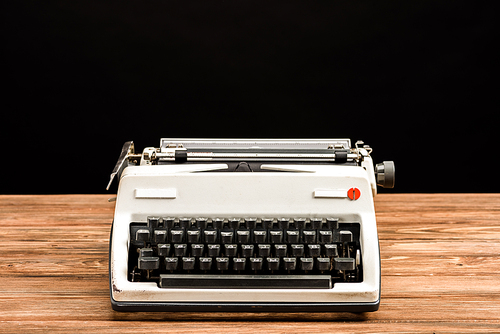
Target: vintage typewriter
254 225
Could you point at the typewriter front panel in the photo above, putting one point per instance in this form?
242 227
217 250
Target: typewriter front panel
277 214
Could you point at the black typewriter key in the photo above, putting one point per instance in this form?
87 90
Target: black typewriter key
250 223
332 223
323 263
344 263
273 263
306 263
193 236
188 263
247 250
148 262
145 252
276 236
171 263
243 236
226 237
153 222
160 236
163 249
315 223
299 223
142 235
176 235
230 250
168 222
222 263
267 223
313 250
201 223
289 263
264 250
255 263
259 236
233 223
217 223
180 249
197 249
308 236
345 236
239 263
185 223
297 249
325 237
210 236
292 236
213 249
283 223
205 263
331 250
280 250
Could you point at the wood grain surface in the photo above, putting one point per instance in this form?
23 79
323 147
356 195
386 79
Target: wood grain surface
440 271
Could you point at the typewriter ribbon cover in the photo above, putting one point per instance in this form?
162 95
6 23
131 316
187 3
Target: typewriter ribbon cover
246 225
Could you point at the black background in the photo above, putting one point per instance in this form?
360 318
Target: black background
416 81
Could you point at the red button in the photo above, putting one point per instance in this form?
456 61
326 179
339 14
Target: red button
353 193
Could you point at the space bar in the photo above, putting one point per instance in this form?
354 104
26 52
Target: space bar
188 281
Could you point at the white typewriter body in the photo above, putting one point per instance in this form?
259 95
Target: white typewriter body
288 189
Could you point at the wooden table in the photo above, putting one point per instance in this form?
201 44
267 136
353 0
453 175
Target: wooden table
440 271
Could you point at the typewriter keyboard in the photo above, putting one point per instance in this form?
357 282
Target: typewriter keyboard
244 253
